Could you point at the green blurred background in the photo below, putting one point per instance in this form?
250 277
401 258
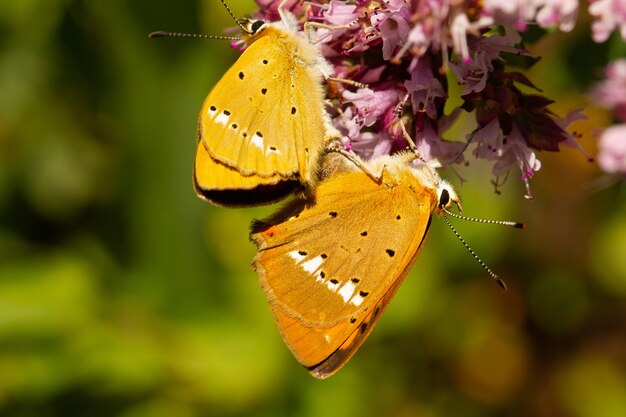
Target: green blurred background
123 294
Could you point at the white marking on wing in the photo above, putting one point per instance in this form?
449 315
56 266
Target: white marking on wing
346 291
332 285
312 265
357 300
257 141
297 256
221 119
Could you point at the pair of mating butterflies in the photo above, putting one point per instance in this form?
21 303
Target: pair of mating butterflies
330 262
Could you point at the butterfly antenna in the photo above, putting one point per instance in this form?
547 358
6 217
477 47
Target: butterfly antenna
162 34
489 271
237 20
500 222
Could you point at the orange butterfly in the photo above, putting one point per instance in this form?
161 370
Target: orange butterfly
262 128
330 265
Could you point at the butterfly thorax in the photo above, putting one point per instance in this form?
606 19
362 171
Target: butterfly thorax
397 170
302 50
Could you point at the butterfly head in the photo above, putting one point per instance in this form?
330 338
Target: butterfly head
447 196
251 27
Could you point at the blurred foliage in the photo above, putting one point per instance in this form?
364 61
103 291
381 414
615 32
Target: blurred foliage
122 294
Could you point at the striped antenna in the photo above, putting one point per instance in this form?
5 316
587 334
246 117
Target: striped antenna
498 222
496 278
470 219
238 21
162 34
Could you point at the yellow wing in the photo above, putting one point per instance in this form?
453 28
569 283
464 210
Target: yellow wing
330 269
265 117
236 190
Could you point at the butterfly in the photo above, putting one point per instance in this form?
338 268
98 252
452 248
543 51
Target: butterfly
330 265
263 127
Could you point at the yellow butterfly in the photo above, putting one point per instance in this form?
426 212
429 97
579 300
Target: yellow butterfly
330 265
262 128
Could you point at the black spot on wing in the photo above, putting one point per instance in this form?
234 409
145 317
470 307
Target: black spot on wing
390 252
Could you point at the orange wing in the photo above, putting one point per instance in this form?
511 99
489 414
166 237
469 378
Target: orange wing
235 189
330 269
263 122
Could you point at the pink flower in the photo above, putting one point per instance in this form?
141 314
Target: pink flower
424 87
611 93
371 105
612 149
340 13
473 74
516 12
545 12
431 145
403 49
393 31
558 12
609 15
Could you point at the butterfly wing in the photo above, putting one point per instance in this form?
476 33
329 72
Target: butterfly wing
237 190
265 118
331 268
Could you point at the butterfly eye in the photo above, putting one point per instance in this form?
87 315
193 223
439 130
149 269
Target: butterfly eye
256 25
444 198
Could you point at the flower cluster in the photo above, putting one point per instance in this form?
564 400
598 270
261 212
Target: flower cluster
407 53
611 93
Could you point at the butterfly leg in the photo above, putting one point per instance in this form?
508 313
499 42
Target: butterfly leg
407 137
405 134
464 148
337 147
344 81
318 25
281 8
